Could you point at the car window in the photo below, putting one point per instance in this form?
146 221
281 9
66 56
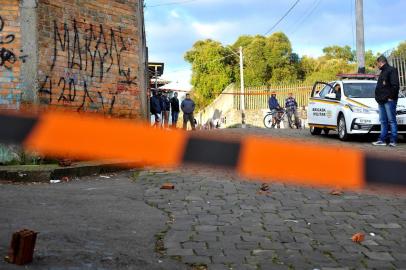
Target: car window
360 90
338 93
325 91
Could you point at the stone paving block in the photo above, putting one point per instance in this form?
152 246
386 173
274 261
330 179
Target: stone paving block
256 239
196 260
400 264
218 266
335 268
194 245
205 237
380 256
245 267
247 245
386 226
208 252
232 252
399 255
374 264
298 246
179 252
227 259
271 245
272 266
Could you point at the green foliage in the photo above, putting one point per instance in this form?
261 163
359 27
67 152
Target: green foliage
213 69
267 60
401 49
370 61
336 52
327 69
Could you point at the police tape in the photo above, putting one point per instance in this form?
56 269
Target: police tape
86 137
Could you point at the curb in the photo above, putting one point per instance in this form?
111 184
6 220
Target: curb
45 173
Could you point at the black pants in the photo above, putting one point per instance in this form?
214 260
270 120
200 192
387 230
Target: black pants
188 117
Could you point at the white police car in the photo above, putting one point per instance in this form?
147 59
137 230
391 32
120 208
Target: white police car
352 110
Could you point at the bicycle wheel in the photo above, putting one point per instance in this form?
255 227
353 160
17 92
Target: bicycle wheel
268 120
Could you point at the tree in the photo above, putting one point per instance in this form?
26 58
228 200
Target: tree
370 61
327 69
213 69
255 63
337 52
401 49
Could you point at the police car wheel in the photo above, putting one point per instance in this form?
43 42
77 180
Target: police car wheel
315 130
342 129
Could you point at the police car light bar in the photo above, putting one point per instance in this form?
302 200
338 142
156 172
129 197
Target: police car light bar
358 76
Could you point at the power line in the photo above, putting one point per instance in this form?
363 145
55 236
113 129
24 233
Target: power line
308 15
171 3
283 17
292 27
226 56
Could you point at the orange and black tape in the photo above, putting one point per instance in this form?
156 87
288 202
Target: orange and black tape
14 130
211 152
384 171
269 159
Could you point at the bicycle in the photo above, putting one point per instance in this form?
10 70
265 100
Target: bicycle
280 116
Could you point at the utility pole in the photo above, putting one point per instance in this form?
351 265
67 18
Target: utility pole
242 99
359 6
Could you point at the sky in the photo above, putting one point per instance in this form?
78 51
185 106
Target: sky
173 26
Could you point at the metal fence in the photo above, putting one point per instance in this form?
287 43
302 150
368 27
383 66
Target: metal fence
399 62
256 98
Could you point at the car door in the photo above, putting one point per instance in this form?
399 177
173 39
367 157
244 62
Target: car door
319 105
333 105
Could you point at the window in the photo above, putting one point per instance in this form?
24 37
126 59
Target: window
360 90
325 91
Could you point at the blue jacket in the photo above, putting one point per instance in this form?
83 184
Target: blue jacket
155 103
188 106
291 103
273 103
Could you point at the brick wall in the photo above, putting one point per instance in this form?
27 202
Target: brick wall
10 67
89 55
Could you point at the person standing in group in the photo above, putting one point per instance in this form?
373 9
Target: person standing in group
188 107
165 109
387 94
155 107
175 109
162 105
275 109
291 108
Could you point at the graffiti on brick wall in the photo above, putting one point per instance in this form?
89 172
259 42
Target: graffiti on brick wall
7 57
89 54
7 60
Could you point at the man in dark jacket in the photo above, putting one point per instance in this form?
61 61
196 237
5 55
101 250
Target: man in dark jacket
387 94
175 109
155 107
165 109
275 109
188 107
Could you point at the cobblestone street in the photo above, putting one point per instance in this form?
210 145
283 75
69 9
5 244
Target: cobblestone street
211 219
218 221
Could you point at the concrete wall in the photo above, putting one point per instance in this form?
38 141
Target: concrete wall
221 109
74 54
